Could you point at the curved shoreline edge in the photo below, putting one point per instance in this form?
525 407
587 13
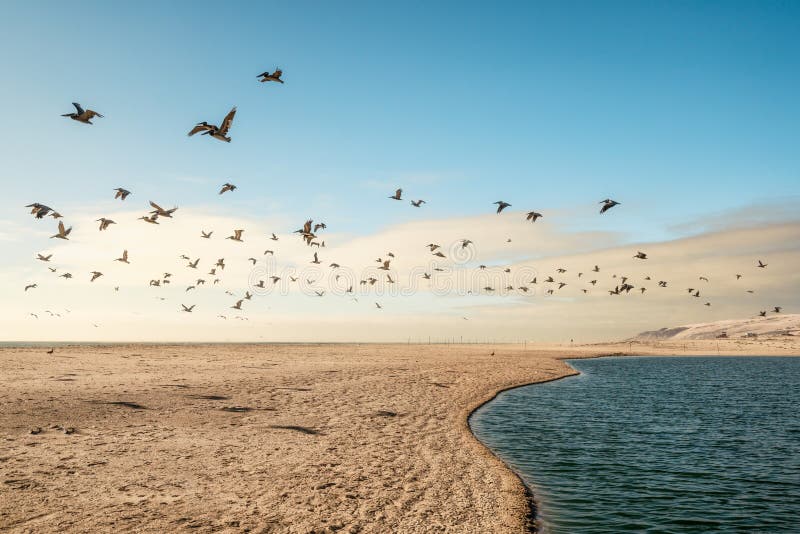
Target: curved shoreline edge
529 517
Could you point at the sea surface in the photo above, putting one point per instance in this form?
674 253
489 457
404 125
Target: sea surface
656 445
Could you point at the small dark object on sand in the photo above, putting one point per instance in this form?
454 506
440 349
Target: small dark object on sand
37 430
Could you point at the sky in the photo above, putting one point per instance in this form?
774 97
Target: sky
685 112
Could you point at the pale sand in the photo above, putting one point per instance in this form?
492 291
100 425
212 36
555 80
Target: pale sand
351 438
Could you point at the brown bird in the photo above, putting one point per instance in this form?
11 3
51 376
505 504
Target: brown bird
238 305
237 236
608 204
189 309
417 203
95 275
274 77
532 216
214 131
81 115
124 258
121 193
777 309
161 212
274 237
31 286
762 265
397 195
62 232
104 223
640 256
501 205
44 258
227 187
205 235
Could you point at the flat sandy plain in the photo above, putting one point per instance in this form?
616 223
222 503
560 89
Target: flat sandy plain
272 438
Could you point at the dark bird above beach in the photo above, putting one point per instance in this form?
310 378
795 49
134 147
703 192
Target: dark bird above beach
532 216
640 256
777 309
217 132
501 205
205 235
763 313
189 309
44 258
121 193
608 204
274 237
238 305
237 235
95 275
161 212
227 187
104 223
266 76
31 286
124 258
397 195
152 219
39 210
762 265
417 203
738 276
62 232
82 115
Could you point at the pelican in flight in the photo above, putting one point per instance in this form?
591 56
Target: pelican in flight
62 232
124 258
640 255
227 187
121 193
206 235
44 258
95 275
237 236
217 132
762 313
189 309
104 223
378 306
532 216
608 204
31 286
274 77
385 266
501 205
417 203
397 195
161 212
82 115
274 237
777 309
762 265
152 219
238 305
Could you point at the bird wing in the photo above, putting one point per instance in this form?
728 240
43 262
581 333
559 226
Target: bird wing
61 229
156 206
226 123
200 127
78 108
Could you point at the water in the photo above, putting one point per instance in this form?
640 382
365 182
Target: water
657 445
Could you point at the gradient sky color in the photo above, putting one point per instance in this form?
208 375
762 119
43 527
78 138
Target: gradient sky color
686 112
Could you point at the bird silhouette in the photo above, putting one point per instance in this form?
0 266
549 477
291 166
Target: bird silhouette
501 205
81 115
217 132
397 195
266 76
607 205
62 232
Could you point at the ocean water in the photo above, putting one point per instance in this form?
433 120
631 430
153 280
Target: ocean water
656 445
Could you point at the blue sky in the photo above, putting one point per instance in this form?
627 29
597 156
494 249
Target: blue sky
680 110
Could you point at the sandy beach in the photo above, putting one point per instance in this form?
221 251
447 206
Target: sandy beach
272 438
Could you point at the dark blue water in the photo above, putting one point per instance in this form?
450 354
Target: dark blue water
656 445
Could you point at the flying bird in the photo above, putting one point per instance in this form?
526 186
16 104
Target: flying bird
124 258
273 77
121 193
104 223
238 305
762 265
30 286
205 235
95 275
62 232
777 309
237 236
152 219
189 309
397 195
608 204
640 256
227 187
501 205
161 212
217 132
81 115
44 258
417 203
532 216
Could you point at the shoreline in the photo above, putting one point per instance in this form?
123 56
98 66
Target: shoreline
288 438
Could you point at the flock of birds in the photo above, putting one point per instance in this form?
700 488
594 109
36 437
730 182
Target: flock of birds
309 233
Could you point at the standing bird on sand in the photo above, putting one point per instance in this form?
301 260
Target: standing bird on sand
217 132
274 77
62 232
121 193
227 187
501 205
397 195
532 216
608 204
205 235
81 115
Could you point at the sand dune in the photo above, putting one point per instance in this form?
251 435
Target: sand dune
772 325
268 438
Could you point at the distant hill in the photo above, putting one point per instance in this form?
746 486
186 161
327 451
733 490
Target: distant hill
771 326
